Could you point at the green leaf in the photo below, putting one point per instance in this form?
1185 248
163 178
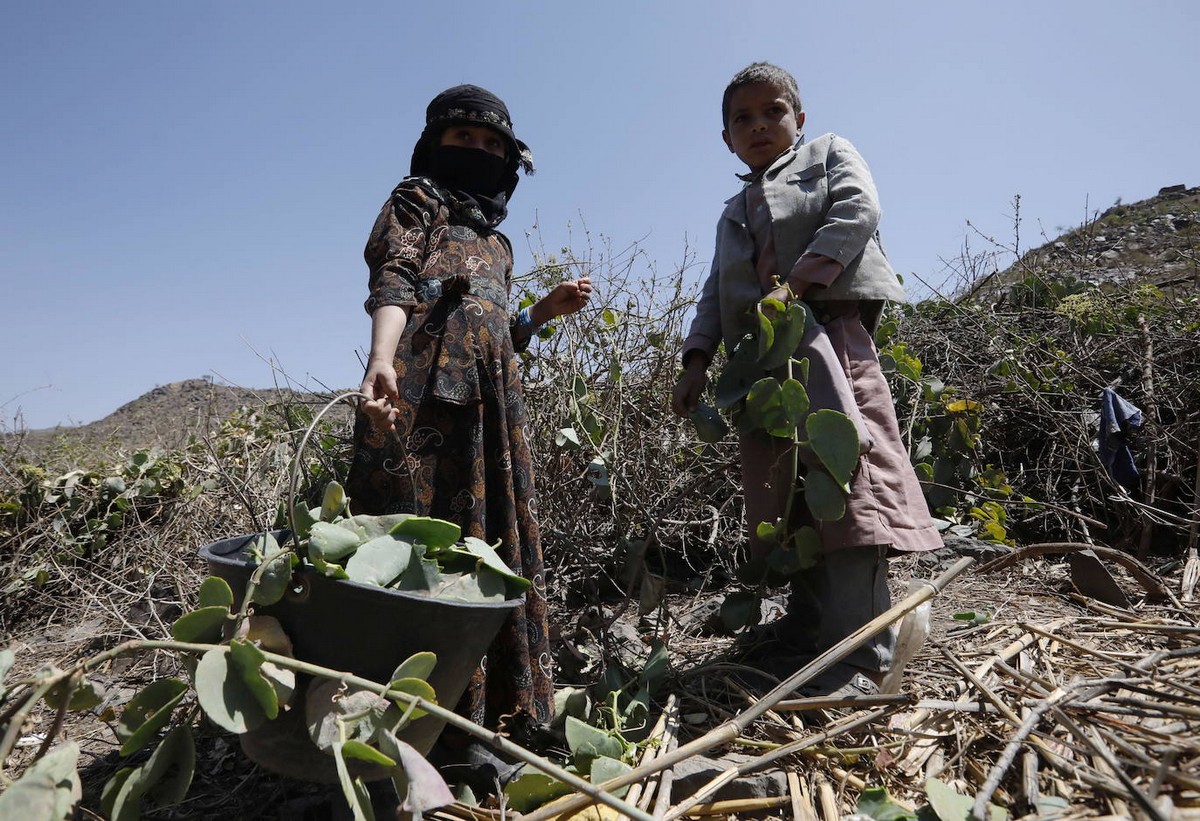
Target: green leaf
807 544
332 541
789 331
113 788
333 503
710 427
222 692
248 661
434 533
531 789
47 790
380 560
304 521
148 712
824 496
834 438
165 778
588 742
484 585
876 804
950 806
414 687
365 752
202 626
604 768
492 559
83 696
741 609
372 527
766 329
275 579
353 789
737 377
654 672
421 575
215 592
418 665
416 779
768 532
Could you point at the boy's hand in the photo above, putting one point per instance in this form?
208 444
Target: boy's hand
565 298
379 385
686 396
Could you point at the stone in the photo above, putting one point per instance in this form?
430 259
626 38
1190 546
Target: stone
1172 189
693 773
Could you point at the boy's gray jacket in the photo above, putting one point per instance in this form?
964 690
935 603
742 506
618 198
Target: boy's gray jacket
822 200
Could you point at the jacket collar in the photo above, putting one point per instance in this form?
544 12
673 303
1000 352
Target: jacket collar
735 206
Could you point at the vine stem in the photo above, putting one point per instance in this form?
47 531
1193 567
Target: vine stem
449 716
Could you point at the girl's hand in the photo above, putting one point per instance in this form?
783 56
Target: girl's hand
379 385
565 298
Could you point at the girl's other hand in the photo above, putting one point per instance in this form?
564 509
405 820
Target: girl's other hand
565 298
379 386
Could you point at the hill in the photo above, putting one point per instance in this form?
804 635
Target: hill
1153 240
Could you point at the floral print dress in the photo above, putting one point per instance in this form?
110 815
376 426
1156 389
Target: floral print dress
462 453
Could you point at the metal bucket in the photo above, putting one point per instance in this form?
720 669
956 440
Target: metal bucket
364 630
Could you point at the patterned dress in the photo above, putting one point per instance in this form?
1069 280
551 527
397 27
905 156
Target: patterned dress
462 453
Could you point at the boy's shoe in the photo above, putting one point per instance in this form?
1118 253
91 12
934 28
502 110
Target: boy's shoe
839 681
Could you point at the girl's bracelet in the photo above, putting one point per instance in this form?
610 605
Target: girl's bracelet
524 320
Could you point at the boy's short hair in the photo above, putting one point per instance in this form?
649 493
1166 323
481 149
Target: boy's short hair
761 73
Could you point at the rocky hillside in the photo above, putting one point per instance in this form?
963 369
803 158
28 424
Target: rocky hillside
1155 239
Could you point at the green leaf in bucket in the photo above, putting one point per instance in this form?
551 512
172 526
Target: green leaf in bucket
276 578
148 712
372 527
333 502
332 542
379 561
437 534
492 559
485 585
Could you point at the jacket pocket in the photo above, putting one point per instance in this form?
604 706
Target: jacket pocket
813 172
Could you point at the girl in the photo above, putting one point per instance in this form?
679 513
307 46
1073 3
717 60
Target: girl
443 373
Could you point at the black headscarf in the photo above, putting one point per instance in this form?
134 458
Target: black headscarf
450 169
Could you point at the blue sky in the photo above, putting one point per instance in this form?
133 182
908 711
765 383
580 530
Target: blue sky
185 189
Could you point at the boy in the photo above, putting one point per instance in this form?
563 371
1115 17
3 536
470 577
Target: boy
804 226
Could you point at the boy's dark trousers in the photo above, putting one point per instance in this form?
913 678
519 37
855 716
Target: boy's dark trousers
846 589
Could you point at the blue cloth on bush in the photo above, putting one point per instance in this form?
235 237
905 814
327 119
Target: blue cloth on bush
1118 418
